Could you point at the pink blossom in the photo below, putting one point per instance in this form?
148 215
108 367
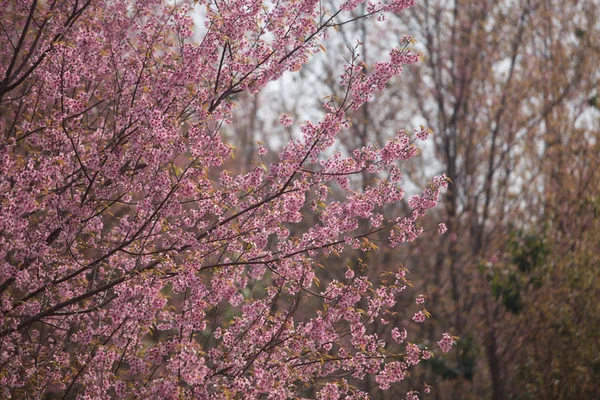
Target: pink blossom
423 133
412 396
399 336
419 317
442 228
446 342
286 120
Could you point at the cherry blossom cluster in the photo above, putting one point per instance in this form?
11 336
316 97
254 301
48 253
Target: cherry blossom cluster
446 342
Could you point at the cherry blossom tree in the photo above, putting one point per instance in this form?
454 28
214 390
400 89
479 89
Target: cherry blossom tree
134 263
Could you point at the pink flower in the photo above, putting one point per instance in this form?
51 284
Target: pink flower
286 120
412 396
399 336
442 228
419 317
446 342
423 133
